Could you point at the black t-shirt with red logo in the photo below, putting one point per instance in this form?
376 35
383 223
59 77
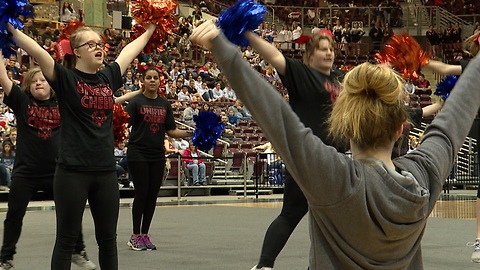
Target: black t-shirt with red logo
311 95
38 129
150 119
86 105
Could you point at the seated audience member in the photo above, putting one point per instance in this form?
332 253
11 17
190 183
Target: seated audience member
240 111
205 92
184 95
195 165
422 86
232 118
229 94
170 149
218 93
189 112
7 159
228 132
181 144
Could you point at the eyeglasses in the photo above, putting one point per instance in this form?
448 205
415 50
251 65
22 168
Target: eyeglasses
93 45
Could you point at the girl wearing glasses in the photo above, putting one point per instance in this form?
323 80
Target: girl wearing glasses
86 164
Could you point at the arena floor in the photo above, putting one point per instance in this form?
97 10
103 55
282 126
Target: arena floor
226 232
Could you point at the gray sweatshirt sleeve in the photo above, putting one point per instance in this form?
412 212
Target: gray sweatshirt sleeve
315 166
447 132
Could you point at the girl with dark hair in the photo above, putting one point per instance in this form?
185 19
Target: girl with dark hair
38 126
151 116
86 164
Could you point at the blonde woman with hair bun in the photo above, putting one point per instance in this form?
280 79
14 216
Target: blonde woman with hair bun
369 111
389 201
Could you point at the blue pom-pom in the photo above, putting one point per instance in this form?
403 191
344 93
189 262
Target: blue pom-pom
445 86
209 128
10 11
245 15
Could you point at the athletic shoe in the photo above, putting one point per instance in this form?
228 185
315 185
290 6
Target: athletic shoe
136 243
148 243
81 260
263 268
8 264
476 250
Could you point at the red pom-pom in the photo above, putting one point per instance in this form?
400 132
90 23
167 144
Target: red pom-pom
404 54
303 39
158 12
120 121
69 28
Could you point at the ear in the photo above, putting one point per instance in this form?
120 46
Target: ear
75 52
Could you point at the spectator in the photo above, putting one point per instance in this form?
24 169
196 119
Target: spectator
190 112
376 35
184 95
205 92
218 93
228 132
232 118
195 165
422 86
228 93
7 159
356 35
240 111
296 33
181 144
67 12
285 37
433 40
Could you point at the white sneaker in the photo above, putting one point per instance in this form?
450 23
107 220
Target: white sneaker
6 265
263 268
81 260
476 250
130 185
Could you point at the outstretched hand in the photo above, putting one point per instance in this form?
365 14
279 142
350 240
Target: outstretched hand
204 34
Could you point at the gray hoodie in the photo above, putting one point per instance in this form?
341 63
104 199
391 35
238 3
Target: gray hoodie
362 215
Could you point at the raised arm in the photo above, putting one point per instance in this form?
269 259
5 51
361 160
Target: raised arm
5 82
444 69
134 48
127 97
269 52
43 58
432 109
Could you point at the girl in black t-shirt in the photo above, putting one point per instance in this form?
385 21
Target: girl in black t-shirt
86 164
38 126
151 116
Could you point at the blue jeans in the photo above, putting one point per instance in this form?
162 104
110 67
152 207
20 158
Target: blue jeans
5 175
197 170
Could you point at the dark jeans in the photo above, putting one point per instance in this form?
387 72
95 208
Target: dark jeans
5 175
71 191
147 178
21 192
294 207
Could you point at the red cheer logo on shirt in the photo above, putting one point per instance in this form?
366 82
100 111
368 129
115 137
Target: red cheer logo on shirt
98 97
43 119
154 115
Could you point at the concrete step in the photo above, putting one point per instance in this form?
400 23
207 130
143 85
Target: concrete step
231 182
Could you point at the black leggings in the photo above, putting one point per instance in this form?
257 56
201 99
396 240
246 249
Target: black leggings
71 191
147 178
294 207
21 192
